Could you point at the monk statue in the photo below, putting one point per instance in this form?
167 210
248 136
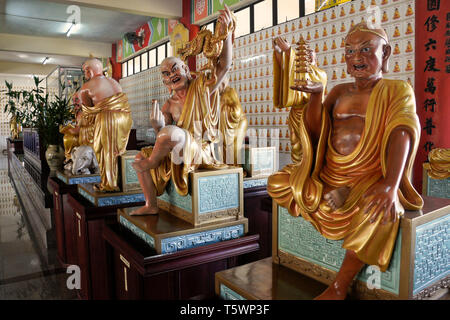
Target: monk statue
233 124
78 133
106 107
15 128
186 127
352 182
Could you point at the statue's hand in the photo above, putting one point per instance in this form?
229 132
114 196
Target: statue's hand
225 18
156 117
280 45
380 200
311 87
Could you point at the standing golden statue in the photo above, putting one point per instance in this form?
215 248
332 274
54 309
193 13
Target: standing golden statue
352 182
186 126
233 125
106 107
15 128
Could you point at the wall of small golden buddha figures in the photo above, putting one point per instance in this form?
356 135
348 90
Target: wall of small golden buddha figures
252 78
141 88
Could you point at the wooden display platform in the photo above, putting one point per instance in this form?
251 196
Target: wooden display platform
264 280
68 178
137 272
108 199
167 233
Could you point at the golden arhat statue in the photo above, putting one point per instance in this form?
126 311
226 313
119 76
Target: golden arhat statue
187 125
352 180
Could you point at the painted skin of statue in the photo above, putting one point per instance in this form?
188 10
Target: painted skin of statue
177 78
360 186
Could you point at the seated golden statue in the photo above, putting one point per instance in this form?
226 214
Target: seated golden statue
107 122
80 133
438 165
186 126
358 146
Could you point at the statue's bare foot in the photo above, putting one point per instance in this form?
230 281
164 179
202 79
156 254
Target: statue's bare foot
336 198
333 292
145 210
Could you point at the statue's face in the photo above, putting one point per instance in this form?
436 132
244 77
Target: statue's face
365 54
88 72
175 74
92 68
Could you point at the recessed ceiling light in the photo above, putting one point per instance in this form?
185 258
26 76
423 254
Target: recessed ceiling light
22 55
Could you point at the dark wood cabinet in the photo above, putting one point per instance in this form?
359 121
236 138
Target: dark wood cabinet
137 272
89 245
259 222
64 220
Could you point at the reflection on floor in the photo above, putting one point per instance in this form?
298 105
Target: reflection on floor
23 274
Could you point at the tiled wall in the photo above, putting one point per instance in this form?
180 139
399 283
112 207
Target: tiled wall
141 88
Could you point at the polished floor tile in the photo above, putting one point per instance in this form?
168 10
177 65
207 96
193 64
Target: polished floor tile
23 274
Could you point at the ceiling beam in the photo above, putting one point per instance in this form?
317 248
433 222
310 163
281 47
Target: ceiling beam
171 9
57 46
9 67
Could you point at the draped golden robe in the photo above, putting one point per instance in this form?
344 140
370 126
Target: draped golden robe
438 165
112 128
233 125
284 97
300 187
85 136
200 122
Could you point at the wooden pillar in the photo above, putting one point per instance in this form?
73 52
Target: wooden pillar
117 67
186 20
432 79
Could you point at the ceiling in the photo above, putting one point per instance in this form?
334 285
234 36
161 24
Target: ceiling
31 30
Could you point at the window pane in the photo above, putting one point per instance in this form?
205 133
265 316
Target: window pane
124 70
144 61
243 22
152 58
310 6
161 53
130 67
263 15
137 64
169 50
288 10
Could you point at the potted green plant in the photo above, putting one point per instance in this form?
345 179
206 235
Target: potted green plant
35 109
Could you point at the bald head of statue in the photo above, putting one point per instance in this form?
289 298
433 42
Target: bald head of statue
175 74
367 51
92 67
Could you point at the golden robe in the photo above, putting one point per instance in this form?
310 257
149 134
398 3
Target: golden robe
284 97
85 136
438 166
233 125
200 122
112 128
300 187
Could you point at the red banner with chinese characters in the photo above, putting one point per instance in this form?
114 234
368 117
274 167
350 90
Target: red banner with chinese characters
432 79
